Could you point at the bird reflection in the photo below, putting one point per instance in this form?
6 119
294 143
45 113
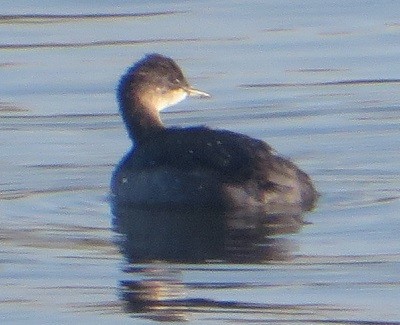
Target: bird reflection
192 236
159 236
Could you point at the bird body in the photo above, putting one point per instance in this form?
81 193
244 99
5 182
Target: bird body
195 166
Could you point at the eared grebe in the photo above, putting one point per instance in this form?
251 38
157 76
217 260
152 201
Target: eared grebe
196 166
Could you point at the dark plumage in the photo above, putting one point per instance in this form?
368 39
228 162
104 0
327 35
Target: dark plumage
195 166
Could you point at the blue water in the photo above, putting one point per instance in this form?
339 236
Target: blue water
318 82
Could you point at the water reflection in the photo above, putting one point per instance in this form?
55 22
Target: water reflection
160 236
158 295
188 235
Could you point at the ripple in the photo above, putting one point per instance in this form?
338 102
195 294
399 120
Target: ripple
24 193
325 83
35 18
111 43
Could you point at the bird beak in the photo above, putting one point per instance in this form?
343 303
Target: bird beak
192 92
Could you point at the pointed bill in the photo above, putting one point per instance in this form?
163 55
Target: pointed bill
196 93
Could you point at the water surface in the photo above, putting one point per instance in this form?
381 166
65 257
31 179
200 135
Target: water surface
320 83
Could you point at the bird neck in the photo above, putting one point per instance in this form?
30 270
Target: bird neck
141 122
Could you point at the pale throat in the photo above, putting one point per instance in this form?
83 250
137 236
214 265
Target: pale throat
157 100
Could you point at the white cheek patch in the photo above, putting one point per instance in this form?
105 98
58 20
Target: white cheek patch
174 97
180 95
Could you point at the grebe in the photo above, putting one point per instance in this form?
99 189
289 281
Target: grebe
196 166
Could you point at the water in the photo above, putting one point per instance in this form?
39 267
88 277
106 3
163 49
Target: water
318 82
